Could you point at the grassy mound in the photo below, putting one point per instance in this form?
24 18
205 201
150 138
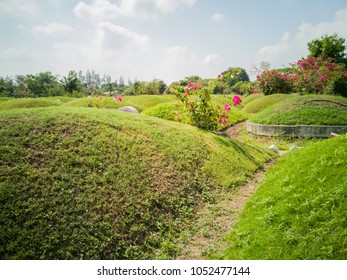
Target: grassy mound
140 102
4 99
78 183
28 103
260 103
249 98
300 210
305 110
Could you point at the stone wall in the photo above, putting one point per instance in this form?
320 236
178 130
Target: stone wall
316 131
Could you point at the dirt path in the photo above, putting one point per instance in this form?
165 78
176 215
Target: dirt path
215 220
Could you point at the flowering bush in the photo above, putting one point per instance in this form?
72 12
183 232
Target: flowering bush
203 113
318 76
99 102
311 75
272 81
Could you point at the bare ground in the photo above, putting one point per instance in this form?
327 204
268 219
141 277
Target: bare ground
215 220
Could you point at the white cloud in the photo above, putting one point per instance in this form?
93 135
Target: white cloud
109 36
103 10
291 48
179 55
212 59
51 28
20 8
13 53
217 17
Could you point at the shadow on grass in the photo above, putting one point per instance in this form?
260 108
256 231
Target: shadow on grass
240 147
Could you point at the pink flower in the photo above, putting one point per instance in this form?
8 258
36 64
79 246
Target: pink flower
111 108
96 96
226 107
237 99
191 85
222 121
118 98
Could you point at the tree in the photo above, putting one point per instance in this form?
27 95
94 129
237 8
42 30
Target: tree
43 84
328 46
72 82
6 86
235 74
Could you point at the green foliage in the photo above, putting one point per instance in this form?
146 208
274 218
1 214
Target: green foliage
329 46
155 87
201 111
235 74
72 83
43 84
241 88
300 209
78 183
304 110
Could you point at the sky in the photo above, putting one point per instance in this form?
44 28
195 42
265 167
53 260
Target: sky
160 39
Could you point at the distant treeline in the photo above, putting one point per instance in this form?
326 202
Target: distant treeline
78 84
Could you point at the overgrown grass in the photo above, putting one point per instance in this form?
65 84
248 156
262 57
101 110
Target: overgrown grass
78 183
258 104
305 110
140 102
300 210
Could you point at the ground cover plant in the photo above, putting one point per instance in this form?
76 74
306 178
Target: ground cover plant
85 183
28 103
262 102
299 211
140 102
305 110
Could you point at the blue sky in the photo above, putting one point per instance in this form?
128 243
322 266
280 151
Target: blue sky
162 39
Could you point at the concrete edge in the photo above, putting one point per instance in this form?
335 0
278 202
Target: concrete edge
310 131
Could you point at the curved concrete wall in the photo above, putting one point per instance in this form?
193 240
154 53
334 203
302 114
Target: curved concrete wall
316 131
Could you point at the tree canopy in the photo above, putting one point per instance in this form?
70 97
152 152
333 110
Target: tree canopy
329 46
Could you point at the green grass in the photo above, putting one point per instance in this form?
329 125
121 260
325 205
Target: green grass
28 103
140 102
305 110
300 209
83 183
260 103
